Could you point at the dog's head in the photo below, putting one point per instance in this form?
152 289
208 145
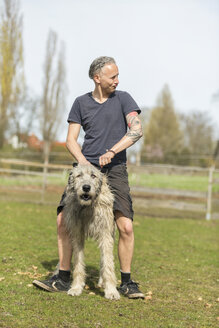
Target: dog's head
85 181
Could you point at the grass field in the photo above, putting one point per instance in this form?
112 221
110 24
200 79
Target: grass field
175 262
173 181
29 189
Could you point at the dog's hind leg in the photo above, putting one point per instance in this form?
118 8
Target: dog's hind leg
79 268
107 272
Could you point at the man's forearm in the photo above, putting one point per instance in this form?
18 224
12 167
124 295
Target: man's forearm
125 143
133 135
75 150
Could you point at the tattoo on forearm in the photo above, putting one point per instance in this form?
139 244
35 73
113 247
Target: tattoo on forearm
135 128
134 136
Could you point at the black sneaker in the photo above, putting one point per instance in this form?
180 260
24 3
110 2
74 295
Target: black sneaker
130 289
54 284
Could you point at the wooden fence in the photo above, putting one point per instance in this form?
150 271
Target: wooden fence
143 196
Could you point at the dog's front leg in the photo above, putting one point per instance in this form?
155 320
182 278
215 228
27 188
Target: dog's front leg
100 281
79 270
107 273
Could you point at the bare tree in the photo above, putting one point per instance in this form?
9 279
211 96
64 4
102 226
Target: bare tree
12 84
25 115
198 132
53 96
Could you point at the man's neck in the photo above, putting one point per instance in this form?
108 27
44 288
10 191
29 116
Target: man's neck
99 95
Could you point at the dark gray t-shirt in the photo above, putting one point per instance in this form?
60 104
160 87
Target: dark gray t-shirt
104 124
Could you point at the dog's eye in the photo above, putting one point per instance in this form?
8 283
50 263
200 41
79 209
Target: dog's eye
78 176
93 176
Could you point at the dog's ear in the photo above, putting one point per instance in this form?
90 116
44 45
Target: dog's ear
75 164
70 178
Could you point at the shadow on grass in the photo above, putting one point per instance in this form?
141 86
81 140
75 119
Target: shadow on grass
92 275
50 265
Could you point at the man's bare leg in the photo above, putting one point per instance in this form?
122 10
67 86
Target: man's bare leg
60 281
64 245
125 250
126 241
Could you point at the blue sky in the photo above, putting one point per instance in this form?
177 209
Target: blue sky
153 41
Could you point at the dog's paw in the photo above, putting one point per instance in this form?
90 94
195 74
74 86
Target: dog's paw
112 294
75 291
100 283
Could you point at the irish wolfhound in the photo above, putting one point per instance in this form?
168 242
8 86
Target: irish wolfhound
88 212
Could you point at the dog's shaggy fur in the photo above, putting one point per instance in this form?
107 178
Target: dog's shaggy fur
88 212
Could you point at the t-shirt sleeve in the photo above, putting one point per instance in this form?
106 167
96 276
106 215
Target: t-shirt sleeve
128 103
75 113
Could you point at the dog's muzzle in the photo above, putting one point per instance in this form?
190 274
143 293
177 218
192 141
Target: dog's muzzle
86 188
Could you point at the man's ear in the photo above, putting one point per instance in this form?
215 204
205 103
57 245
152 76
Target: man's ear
96 78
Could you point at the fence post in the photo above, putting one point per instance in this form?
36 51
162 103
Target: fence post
46 151
209 196
44 184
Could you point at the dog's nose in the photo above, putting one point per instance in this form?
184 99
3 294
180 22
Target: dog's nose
86 188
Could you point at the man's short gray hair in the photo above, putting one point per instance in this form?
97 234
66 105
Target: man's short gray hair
98 64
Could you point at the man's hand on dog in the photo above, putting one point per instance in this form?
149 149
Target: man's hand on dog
106 158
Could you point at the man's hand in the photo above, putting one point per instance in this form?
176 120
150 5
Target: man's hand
106 158
84 162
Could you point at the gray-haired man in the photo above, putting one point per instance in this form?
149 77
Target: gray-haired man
104 115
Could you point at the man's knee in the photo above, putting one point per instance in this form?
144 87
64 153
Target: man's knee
127 228
124 225
61 228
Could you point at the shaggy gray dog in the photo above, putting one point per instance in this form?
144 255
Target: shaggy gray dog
88 212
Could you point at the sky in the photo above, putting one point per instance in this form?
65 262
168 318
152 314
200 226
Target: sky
154 42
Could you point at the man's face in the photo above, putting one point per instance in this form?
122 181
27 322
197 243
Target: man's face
108 78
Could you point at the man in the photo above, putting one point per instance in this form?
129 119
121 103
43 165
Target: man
104 115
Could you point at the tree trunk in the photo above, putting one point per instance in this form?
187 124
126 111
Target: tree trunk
2 135
46 152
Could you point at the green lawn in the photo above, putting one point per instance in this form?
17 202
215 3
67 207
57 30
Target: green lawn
24 180
175 261
173 181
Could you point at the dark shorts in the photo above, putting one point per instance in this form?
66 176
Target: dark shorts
118 181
